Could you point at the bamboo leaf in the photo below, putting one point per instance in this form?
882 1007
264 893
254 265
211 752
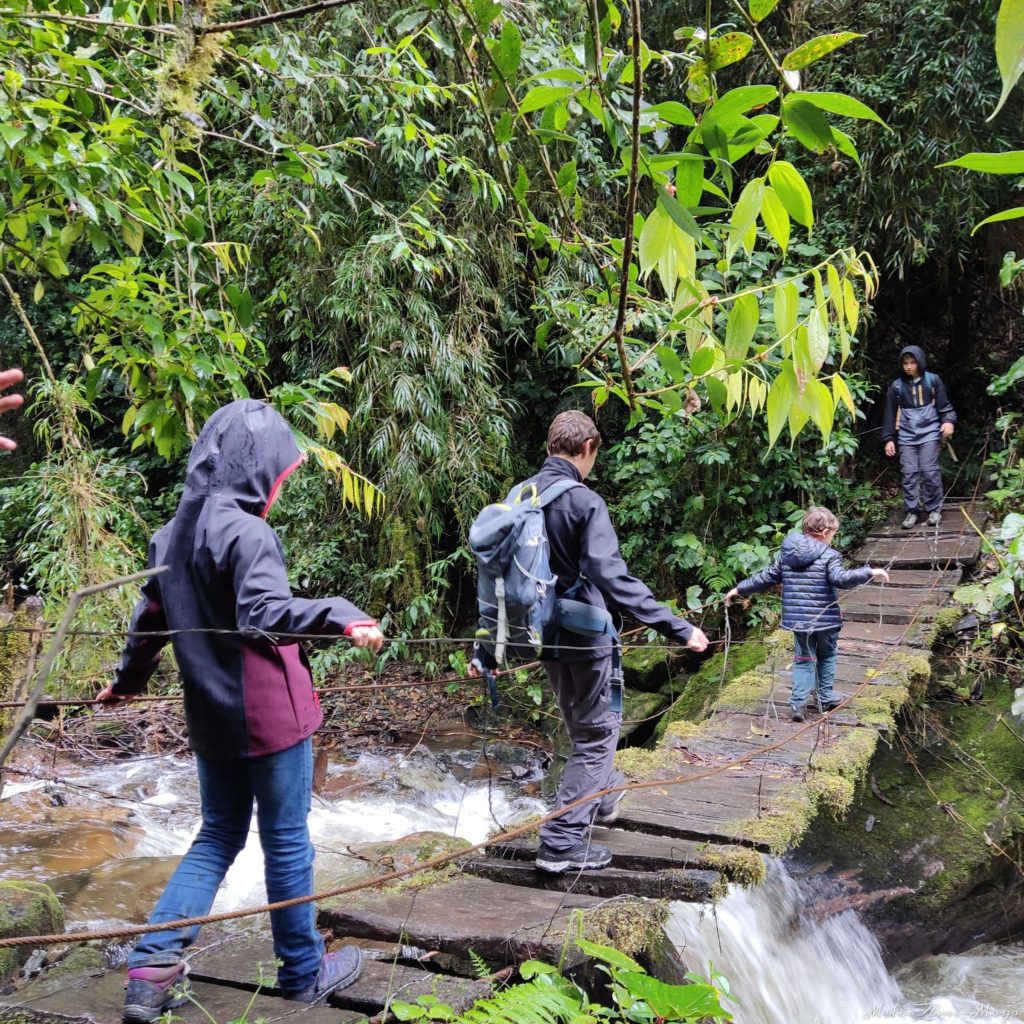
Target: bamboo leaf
793 191
729 49
840 103
775 217
674 112
780 396
806 123
760 9
1009 47
787 305
669 362
1011 162
850 304
741 325
541 96
815 49
841 393
1012 214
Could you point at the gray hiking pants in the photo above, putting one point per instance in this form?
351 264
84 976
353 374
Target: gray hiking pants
922 478
583 692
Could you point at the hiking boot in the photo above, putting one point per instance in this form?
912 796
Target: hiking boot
910 521
152 991
337 970
796 714
607 815
582 856
935 517
831 705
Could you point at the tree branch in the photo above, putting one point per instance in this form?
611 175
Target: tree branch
269 19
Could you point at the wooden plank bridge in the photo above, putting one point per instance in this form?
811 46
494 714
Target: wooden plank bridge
715 797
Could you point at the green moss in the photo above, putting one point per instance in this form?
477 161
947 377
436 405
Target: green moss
913 670
831 790
747 692
946 832
703 687
646 668
26 908
737 864
783 825
633 926
943 623
638 763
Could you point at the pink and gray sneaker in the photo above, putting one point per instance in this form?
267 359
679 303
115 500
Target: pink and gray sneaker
152 991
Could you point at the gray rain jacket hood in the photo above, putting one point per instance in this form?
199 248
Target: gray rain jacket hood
810 573
915 407
251 693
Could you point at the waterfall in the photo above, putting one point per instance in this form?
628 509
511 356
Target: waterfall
787 966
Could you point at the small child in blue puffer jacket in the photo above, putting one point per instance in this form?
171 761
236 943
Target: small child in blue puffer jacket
810 573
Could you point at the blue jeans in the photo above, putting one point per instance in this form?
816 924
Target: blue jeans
814 663
281 785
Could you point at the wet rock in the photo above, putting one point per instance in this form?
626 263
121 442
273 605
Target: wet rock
26 908
415 848
645 669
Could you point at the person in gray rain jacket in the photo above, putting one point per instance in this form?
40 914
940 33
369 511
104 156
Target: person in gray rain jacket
918 417
249 701
810 572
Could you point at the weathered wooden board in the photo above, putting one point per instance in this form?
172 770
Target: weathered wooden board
886 636
504 924
931 579
712 808
234 963
942 553
102 998
631 850
955 513
687 885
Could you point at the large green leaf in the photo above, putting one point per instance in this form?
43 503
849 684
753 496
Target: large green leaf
786 308
760 9
840 103
741 325
1011 162
673 112
793 191
1009 47
680 214
806 123
507 51
541 96
736 101
816 48
729 48
670 363
780 397
775 217
1012 214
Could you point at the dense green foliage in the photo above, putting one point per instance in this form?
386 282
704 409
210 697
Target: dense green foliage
421 230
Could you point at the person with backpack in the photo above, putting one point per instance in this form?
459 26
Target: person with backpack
250 705
554 535
919 417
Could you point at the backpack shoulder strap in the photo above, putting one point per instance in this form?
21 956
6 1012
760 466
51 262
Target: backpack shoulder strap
556 490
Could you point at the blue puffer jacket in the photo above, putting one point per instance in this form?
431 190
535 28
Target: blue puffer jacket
810 573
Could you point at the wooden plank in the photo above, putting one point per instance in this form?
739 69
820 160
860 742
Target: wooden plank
943 554
632 851
103 997
954 518
504 924
945 580
379 981
688 885
885 636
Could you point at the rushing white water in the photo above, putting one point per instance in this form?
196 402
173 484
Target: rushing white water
786 966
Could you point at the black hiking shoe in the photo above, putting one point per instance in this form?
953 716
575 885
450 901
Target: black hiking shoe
831 705
796 714
337 970
584 855
152 991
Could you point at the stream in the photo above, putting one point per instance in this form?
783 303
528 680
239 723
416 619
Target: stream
106 839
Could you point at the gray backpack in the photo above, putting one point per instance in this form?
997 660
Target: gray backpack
515 589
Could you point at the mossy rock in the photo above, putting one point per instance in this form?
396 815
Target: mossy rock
701 690
416 848
80 964
26 908
930 849
646 668
639 711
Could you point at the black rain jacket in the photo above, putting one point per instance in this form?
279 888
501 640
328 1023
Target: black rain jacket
245 695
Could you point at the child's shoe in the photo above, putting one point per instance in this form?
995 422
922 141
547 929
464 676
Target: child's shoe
152 991
935 517
337 970
910 520
831 705
796 714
